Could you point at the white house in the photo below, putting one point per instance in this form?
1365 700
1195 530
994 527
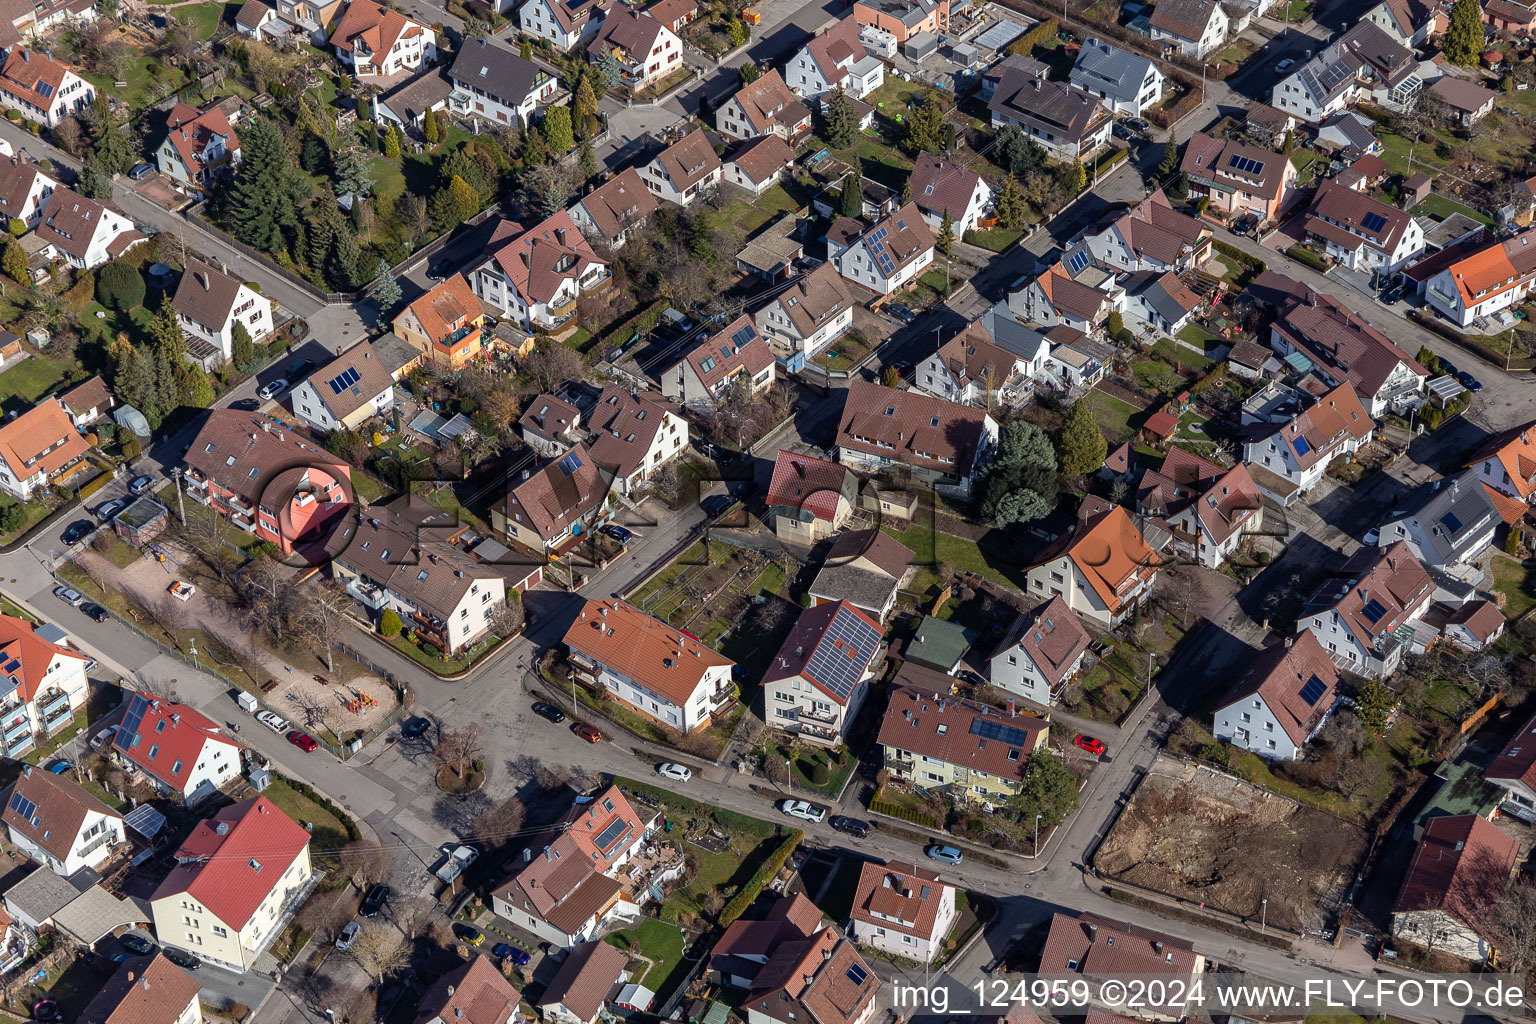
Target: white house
38 449
42 88
54 821
836 58
939 187
826 981
972 369
494 83
614 209
1362 233
902 909
1365 63
644 50
1065 121
684 171
807 316
941 443
1290 461
1151 235
535 276
209 302
764 106
24 190
44 686
1365 618
1448 523
1410 22
563 22
238 879
555 504
346 392
816 683
179 751
1514 771
1342 348
1506 462
1209 509
199 147
1102 570
885 257
83 232
1128 83
1281 701
633 436
578 993
550 425
1041 653
1449 899
1475 625
669 676
710 372
1193 28
758 164
1485 282
375 41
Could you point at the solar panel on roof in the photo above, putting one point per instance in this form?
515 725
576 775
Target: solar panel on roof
22 806
992 729
1313 690
1451 522
857 974
343 380
609 835
1246 164
1302 447
743 336
137 706
569 463
1373 611
1078 260
1374 222
839 660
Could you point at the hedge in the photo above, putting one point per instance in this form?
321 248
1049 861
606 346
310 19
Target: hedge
1042 32
306 790
904 813
744 899
1301 254
1233 252
90 487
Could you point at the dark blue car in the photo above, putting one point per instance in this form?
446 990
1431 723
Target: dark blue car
507 951
1469 382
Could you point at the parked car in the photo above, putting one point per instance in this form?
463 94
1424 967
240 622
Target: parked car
1090 744
946 854
61 766
415 728
69 595
587 732
108 510
106 735
1285 65
344 940
440 269
507 951
469 934
457 863
802 809
851 826
139 484
1120 131
299 368
186 961
900 312
141 171
1469 382
272 390
716 504
549 711
246 405
137 944
1448 368
77 531
675 772
303 740
1137 124
95 611
618 533
272 720
375 900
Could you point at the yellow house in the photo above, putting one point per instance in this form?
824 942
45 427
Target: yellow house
445 324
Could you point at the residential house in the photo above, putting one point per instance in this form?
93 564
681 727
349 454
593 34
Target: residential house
1514 771
238 878
33 20
375 41
1103 569
748 946
764 106
346 392
1041 653
39 449
569 881
181 752
942 443
1097 947
977 751
644 50
494 83
971 369
24 191
259 21
809 498
823 979
904 19
83 232
87 402
1192 28
1485 281
54 821
1151 235
1510 16
685 170
591 972
633 436
209 303
1506 462
446 323
1475 625
146 990
1366 618
806 316
1362 233
1160 301
1065 121
199 148
1365 63
675 14
1465 103
1349 134
555 505
939 644
665 674
1413 23
708 374
610 212
1239 179
1128 83
550 426
1052 297
1449 898
41 88
902 909
1289 460
883 258
268 481
1282 700
406 105
758 164
534 277
312 17
1344 349
865 568
940 188
835 59
566 23
1447 523
817 682
1209 509
475 992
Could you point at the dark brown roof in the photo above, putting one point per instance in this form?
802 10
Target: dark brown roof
550 417
834 988
394 545
767 102
736 348
17 177
71 221
244 453
624 425
367 372
629 30
1283 677
206 295
762 157
1461 867
1232 163
942 187
874 546
619 204
475 993
901 896
552 499
1517 761
946 728
1099 946
61 806
814 299
144 990
251 13
1343 344
1061 109
584 979
1050 636
689 160
87 395
911 428
1186 19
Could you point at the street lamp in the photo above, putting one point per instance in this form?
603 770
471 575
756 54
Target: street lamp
1037 833
1263 914
192 645
789 775
1203 66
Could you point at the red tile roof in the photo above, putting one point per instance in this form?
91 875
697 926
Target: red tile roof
1517 761
1229 503
539 260
1093 945
1460 868
943 728
32 655
192 130
833 630
448 307
737 348
1496 269
33 77
767 103
1480 618
689 160
1323 428
232 861
836 49
169 735
1155 229
373 27
583 980
246 454
144 990
1113 556
835 988
1280 674
624 425
1341 214
42 439
560 494
1385 588
1515 452
619 204
476 993
911 428
642 648
902 897
806 483
1341 343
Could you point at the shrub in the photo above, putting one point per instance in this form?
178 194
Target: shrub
17 226
132 449
120 286
239 1011
11 518
13 116
389 623
743 900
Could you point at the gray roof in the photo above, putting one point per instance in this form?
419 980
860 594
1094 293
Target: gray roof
1351 129
1104 68
500 72
413 97
865 590
395 351
1147 285
96 912
41 894
938 643
1455 512
1058 108
1010 335
1451 230
1000 34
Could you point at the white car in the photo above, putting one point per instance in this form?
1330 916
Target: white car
106 735
272 390
272 720
802 809
344 940
675 772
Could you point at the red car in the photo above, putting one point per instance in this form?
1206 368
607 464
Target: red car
303 740
1088 743
587 733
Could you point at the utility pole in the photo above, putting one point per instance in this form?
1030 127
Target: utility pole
181 505
1263 914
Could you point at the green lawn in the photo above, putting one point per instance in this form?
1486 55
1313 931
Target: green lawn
149 80
752 215
1167 350
934 547
206 17
388 179
328 833
23 384
1514 581
1114 416
995 240
34 512
878 161
659 942
1439 207
1201 338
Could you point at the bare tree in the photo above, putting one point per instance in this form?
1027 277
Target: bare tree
1517 924
364 861
381 950
458 749
269 585
413 913
355 1004
323 617
326 912
507 617
93 571
1175 592
551 365
210 534
498 825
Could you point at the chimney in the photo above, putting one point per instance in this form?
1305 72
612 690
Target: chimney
131 975
1093 933
450 990
1288 642
1158 945
1013 708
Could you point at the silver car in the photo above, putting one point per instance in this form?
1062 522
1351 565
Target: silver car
344 940
272 720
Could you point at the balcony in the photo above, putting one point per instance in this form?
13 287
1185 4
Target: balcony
374 597
900 765
97 842
16 729
812 715
20 746
810 730
459 101
50 701
244 522
240 505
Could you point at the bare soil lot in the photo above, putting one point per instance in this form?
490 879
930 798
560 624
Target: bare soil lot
1211 839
